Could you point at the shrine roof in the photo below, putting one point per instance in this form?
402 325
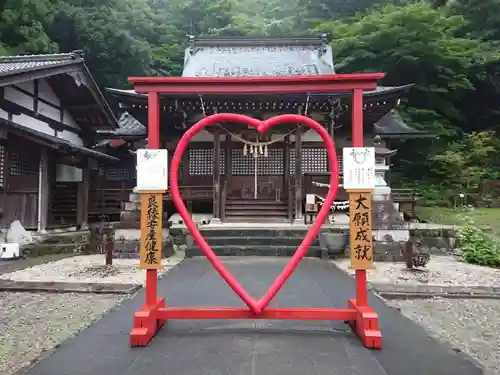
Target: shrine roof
124 95
392 125
66 73
257 57
27 63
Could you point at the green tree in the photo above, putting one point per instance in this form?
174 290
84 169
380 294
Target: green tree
414 44
467 162
23 26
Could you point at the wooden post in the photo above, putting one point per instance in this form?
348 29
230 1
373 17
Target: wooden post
229 158
286 177
153 143
286 165
83 199
357 141
360 229
151 230
299 217
216 171
43 191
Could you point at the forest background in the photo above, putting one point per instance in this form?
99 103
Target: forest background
448 49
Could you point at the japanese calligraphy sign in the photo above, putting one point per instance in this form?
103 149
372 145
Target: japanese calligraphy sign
151 230
359 167
360 229
152 169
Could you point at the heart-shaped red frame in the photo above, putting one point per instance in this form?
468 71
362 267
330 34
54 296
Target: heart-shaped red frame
261 126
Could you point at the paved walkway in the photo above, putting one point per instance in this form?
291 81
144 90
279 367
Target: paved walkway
254 347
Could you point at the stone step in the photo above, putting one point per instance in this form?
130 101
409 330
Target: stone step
256 213
257 202
265 207
257 232
257 241
287 251
257 219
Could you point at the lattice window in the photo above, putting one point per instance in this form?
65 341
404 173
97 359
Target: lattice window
272 164
23 164
116 173
314 160
201 161
243 165
2 165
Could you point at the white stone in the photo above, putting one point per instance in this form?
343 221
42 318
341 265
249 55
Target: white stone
72 270
17 234
397 235
441 270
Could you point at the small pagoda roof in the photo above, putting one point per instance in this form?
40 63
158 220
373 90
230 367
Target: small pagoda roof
392 125
257 57
128 126
384 151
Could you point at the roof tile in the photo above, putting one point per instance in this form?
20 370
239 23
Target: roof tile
23 63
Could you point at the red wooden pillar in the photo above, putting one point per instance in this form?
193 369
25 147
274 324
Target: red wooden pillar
357 141
153 143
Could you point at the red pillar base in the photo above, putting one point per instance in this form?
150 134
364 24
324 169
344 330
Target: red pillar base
147 323
366 325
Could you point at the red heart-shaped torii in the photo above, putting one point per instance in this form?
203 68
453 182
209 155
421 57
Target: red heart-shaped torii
261 127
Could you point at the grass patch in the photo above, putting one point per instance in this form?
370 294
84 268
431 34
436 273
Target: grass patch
478 235
483 218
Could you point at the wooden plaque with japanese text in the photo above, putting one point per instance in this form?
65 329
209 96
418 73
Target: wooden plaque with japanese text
151 230
360 229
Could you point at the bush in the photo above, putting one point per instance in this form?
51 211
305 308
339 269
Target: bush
478 247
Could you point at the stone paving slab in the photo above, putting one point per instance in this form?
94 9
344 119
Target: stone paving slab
67 287
247 347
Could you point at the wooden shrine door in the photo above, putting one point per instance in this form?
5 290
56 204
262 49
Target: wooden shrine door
257 178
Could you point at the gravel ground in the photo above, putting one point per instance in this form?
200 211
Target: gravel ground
33 323
441 270
89 269
472 326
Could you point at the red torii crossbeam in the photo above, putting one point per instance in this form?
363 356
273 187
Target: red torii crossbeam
154 313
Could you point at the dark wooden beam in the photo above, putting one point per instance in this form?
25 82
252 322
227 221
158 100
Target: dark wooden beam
83 199
17 109
286 174
43 194
216 171
298 175
35 95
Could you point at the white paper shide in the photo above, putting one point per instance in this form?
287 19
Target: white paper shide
152 169
359 167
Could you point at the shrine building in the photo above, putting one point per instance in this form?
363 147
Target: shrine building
262 178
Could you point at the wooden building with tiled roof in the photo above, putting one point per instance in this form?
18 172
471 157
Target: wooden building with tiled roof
259 174
50 111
